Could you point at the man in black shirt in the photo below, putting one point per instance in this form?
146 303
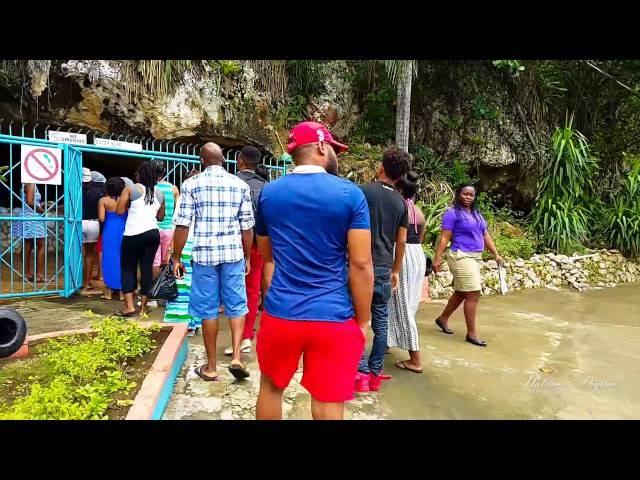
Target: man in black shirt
389 221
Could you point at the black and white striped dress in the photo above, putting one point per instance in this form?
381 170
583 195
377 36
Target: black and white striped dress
403 331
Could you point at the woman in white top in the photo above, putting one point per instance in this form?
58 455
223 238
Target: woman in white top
141 236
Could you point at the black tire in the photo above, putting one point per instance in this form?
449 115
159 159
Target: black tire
13 331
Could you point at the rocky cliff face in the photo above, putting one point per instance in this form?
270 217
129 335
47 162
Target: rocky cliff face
453 111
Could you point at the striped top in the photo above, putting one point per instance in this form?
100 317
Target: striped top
169 204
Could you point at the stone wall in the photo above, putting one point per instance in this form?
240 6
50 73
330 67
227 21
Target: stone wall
604 268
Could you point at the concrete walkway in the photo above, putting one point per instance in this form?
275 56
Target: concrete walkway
551 355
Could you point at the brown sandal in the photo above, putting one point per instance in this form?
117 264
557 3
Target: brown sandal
404 367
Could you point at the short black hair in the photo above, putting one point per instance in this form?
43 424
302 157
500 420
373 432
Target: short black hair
115 185
160 167
251 156
408 184
395 162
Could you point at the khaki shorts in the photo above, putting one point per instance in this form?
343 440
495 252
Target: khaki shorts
465 267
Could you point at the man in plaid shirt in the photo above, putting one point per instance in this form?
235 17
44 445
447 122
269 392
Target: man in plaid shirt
219 205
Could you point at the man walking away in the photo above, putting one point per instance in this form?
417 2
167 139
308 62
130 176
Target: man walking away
389 221
248 160
306 224
219 206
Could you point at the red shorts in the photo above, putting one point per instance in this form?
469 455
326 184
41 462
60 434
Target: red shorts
331 352
99 244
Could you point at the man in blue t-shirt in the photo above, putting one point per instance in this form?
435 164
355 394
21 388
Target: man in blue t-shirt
306 223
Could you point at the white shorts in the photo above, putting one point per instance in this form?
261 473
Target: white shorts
90 231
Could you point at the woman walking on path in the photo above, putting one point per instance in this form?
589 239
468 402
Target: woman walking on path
112 232
178 310
33 232
405 300
141 236
467 230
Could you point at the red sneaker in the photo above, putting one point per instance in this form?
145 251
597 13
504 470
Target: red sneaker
376 380
362 383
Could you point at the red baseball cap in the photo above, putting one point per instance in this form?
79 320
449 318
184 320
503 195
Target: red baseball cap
312 132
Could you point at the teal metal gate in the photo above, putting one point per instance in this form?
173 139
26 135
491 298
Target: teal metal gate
61 272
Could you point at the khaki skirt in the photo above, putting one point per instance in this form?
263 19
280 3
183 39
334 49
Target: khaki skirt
465 267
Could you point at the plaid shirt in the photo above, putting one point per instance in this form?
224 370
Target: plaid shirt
220 206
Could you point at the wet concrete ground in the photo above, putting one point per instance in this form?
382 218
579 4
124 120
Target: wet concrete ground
551 355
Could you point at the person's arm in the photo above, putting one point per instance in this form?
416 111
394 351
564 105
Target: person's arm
123 201
491 246
183 222
161 211
445 237
401 242
102 212
264 244
161 199
180 236
30 197
361 274
247 242
247 222
421 223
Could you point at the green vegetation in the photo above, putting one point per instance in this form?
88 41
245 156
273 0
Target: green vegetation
77 377
559 215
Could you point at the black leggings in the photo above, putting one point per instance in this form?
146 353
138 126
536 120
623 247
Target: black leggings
138 249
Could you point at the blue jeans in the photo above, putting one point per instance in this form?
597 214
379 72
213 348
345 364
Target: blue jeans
379 320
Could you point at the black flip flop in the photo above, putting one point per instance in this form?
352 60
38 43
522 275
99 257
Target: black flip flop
238 371
206 378
475 341
404 367
446 330
120 313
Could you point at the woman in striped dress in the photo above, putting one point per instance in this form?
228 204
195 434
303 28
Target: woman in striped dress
178 310
403 331
33 232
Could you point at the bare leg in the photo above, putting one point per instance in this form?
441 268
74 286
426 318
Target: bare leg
470 308
108 293
415 361
269 406
40 259
121 295
28 257
128 303
98 276
237 330
156 271
454 302
89 250
327 410
143 304
210 337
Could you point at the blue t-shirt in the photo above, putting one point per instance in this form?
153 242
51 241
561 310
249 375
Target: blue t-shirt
307 217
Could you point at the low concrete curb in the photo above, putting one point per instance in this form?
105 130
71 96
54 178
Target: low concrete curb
156 389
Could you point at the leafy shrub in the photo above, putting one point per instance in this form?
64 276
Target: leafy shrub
559 215
86 372
623 215
481 110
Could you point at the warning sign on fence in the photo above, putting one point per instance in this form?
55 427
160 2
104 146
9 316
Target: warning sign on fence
41 165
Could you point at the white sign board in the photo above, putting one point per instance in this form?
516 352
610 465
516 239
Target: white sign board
68 137
41 165
105 142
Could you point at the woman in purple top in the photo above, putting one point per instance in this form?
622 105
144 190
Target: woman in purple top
467 230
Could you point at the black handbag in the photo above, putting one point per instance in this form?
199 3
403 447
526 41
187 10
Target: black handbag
429 268
164 287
